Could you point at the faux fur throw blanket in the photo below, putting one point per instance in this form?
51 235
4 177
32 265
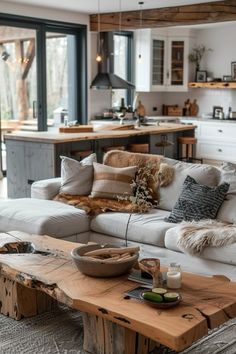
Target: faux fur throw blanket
94 206
195 236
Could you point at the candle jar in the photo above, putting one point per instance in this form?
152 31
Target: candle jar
175 267
174 280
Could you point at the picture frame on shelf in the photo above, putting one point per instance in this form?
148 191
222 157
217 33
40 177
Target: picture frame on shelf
233 70
227 78
217 112
201 76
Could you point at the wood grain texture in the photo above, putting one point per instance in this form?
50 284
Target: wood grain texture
213 85
218 11
207 301
76 129
57 138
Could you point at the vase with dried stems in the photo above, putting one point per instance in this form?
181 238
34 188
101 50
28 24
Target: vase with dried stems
142 197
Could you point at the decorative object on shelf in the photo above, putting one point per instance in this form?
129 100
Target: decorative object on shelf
233 70
201 76
172 110
218 112
197 54
141 111
227 78
186 107
193 109
152 266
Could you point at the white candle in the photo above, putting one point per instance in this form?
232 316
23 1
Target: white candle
174 280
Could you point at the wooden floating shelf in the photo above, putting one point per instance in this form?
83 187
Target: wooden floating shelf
213 85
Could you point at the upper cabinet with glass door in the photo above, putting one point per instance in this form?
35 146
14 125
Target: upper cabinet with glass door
162 60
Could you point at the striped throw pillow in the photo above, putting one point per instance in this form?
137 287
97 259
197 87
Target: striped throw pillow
197 201
111 182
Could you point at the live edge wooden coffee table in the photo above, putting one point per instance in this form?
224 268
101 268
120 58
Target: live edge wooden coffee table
30 284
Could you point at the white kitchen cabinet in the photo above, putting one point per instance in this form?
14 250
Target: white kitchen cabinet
161 60
217 140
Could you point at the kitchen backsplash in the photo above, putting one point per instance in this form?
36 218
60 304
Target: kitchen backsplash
206 99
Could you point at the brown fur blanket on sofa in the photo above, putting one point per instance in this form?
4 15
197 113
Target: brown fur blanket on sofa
94 206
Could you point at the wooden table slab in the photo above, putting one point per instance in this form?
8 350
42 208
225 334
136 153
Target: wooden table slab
207 301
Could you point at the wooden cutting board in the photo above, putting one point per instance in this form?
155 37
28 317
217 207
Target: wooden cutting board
116 127
76 129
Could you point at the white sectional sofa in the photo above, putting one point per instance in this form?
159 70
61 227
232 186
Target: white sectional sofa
156 237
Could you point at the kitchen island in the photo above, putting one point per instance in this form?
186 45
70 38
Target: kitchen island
32 156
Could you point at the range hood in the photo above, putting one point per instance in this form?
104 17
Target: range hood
106 79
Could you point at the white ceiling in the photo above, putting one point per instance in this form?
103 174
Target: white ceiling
91 6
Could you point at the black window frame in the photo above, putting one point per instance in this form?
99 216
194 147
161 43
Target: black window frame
129 61
41 26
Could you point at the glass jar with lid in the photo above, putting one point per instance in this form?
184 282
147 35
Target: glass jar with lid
174 267
174 276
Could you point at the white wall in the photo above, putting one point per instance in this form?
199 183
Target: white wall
44 13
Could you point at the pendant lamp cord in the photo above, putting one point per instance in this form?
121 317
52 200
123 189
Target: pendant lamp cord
98 58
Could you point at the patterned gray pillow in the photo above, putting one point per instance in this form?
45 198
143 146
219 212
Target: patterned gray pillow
197 201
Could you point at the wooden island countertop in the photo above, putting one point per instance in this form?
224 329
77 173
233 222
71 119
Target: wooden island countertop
58 138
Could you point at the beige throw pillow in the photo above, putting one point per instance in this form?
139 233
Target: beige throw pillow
110 182
77 177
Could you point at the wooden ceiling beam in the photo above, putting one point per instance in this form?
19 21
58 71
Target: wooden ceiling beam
219 11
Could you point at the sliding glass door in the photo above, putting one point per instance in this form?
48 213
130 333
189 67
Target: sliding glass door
39 82
61 78
18 81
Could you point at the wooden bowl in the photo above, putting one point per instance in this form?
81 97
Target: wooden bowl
100 268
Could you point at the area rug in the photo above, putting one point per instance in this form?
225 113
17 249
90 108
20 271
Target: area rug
61 332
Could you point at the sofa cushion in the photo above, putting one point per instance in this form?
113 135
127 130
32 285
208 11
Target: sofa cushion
224 254
77 177
38 216
227 211
110 182
197 201
228 174
117 158
203 174
46 188
147 228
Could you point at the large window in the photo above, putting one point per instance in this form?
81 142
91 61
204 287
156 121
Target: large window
122 66
43 74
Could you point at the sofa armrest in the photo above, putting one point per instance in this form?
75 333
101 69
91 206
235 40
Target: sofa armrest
45 189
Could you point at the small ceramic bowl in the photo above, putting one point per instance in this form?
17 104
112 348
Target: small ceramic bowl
100 268
160 305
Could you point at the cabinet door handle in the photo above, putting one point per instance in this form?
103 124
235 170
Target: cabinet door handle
220 150
220 130
167 74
